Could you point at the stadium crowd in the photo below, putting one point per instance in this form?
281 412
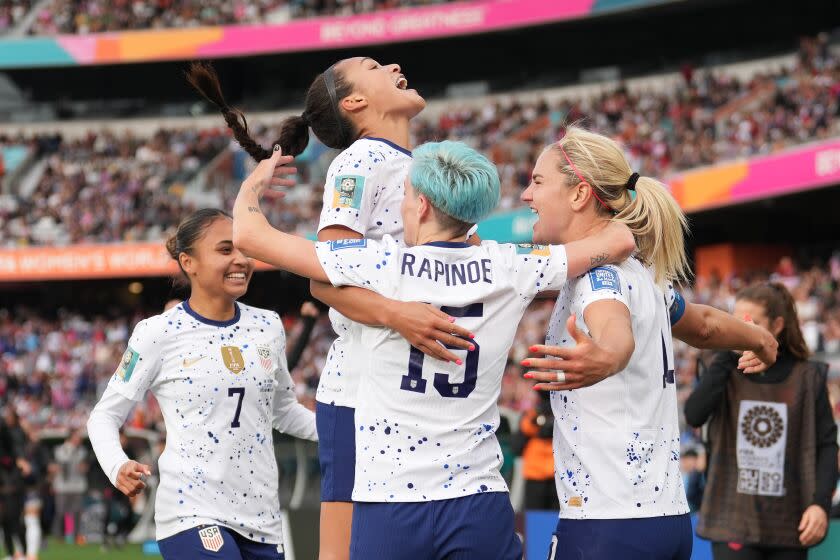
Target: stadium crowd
52 369
109 187
108 178
11 13
98 16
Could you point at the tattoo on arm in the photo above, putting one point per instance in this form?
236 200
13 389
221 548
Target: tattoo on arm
254 209
600 259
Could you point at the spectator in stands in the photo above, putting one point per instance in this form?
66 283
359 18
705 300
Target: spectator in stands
773 461
70 485
693 478
536 427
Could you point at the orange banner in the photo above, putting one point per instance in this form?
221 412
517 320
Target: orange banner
88 261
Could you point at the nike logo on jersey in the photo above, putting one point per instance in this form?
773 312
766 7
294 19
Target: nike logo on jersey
193 361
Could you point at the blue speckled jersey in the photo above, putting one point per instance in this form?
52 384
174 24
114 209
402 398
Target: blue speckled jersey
221 387
363 192
425 429
617 443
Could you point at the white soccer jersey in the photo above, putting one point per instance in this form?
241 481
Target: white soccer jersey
363 192
425 429
221 386
617 443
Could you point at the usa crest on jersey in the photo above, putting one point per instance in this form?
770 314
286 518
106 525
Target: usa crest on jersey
211 538
264 353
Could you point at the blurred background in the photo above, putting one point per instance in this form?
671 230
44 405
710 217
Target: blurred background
735 104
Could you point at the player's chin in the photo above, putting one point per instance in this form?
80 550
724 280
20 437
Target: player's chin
236 287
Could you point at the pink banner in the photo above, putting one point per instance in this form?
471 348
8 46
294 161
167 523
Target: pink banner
797 169
409 24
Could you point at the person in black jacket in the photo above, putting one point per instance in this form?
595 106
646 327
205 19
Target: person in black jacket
13 467
779 503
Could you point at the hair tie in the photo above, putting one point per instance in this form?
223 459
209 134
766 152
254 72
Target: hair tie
305 117
631 182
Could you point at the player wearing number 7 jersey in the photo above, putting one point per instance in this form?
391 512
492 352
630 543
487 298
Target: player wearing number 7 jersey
218 370
427 468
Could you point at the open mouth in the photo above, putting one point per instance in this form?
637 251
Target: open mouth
401 82
236 276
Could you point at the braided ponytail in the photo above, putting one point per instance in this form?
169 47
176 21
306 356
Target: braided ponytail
294 132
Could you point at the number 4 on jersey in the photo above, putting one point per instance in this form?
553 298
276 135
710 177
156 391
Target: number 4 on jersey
414 380
667 374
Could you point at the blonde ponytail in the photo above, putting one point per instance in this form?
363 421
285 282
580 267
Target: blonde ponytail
651 213
659 225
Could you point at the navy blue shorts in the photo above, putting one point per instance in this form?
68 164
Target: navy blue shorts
651 538
336 451
216 542
474 527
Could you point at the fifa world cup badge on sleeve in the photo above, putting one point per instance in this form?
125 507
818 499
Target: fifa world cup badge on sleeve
211 539
232 356
127 364
348 191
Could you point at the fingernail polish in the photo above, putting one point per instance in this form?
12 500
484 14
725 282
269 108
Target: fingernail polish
472 347
525 363
532 348
528 376
459 362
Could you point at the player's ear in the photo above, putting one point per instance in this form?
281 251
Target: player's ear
424 208
354 103
579 195
187 263
777 325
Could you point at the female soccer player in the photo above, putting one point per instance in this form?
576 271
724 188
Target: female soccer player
616 443
773 458
218 370
427 453
364 109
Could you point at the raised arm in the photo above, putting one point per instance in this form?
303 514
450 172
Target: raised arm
611 245
703 326
255 237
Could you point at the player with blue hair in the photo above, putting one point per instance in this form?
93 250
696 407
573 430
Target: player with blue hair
427 457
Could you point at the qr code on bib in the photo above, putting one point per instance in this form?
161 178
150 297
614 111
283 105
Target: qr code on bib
748 481
771 484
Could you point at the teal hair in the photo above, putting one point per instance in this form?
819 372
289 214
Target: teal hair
457 180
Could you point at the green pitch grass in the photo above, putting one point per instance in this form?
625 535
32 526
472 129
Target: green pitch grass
61 551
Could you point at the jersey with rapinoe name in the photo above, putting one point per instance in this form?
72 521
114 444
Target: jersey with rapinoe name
215 382
617 443
425 429
363 192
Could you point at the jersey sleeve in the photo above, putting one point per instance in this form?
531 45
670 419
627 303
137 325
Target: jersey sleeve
675 303
140 364
600 283
288 415
539 268
349 191
359 262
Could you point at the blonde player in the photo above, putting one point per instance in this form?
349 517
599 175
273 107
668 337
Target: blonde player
616 435
218 370
427 482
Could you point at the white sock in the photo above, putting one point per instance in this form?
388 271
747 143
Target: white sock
33 535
